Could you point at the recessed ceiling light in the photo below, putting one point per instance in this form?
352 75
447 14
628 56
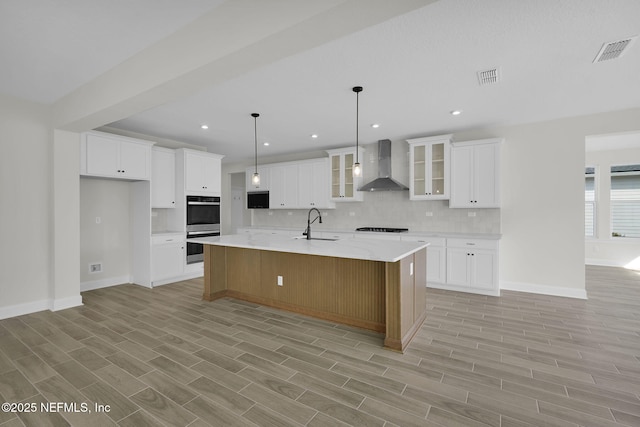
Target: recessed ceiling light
204 127
375 125
266 144
314 136
455 112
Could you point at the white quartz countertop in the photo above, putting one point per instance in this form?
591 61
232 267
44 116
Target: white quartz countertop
445 234
354 248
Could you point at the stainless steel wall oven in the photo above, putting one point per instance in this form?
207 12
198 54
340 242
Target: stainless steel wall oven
203 220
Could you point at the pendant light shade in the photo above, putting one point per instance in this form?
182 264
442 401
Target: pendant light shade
357 168
255 179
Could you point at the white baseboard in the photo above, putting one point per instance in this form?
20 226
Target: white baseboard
187 276
22 309
533 288
64 303
603 262
42 305
491 292
104 283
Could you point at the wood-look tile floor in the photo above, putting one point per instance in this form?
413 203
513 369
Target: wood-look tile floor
165 357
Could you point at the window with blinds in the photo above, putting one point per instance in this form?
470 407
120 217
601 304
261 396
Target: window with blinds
625 201
589 202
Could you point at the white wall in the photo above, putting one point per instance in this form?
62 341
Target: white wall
25 207
603 249
109 241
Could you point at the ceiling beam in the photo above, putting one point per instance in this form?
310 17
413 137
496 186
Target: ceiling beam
234 38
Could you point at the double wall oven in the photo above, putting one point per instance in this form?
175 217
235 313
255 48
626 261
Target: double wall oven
203 220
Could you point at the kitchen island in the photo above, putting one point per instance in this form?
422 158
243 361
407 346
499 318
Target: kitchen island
376 285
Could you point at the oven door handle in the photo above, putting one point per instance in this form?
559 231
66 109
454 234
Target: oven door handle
204 203
213 233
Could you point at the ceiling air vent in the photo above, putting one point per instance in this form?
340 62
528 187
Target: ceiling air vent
613 50
488 77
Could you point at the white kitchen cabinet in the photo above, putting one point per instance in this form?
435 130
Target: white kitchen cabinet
344 187
283 191
113 156
313 182
429 167
475 174
163 178
436 257
167 258
472 265
202 172
265 174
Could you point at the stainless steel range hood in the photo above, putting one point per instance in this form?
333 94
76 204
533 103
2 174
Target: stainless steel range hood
384 182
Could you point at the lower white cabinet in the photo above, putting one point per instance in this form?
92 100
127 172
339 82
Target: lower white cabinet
167 258
436 257
472 265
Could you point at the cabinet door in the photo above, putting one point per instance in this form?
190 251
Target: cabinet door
461 177
483 274
194 173
485 176
336 161
102 156
418 172
283 193
163 179
134 160
458 267
313 190
167 260
438 168
212 175
436 264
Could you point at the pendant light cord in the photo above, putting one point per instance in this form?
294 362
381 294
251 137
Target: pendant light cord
357 123
255 137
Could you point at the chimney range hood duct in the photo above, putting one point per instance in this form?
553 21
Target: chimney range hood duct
384 182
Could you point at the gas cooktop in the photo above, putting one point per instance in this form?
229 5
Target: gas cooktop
383 229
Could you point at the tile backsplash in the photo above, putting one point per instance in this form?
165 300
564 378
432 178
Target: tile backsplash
388 209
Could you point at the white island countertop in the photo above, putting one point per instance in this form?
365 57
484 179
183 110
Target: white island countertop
354 248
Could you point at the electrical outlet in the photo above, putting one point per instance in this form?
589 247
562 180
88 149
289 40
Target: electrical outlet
280 281
98 220
95 268
352 214
471 214
289 213
428 213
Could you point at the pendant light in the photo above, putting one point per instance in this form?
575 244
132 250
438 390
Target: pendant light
255 179
357 169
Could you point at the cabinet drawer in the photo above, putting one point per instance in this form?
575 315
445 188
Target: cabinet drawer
167 238
472 243
433 241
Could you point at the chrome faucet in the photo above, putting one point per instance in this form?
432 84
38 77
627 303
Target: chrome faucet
309 222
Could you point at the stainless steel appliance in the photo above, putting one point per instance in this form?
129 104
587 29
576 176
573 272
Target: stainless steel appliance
203 220
383 229
258 200
203 213
195 251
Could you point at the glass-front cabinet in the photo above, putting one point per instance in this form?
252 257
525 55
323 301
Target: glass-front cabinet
344 186
429 167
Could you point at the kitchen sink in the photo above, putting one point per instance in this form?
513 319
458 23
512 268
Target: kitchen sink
314 238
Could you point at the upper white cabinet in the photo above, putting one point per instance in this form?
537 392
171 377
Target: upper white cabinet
163 178
344 187
313 179
114 156
283 192
475 174
429 167
265 173
202 172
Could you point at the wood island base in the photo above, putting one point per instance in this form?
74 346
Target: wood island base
386 297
